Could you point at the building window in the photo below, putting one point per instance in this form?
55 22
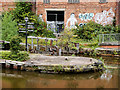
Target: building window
46 1
73 1
103 1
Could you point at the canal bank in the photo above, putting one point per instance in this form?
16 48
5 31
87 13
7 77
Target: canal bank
99 80
55 64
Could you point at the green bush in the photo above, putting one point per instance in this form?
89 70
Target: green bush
15 44
91 30
21 56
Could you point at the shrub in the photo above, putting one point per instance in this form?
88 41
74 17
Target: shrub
15 44
66 40
21 56
91 30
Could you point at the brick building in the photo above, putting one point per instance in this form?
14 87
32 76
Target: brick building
69 12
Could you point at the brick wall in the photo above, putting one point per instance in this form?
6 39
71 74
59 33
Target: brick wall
80 8
6 6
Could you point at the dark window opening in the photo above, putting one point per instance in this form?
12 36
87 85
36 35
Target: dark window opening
103 1
55 20
46 1
55 15
73 1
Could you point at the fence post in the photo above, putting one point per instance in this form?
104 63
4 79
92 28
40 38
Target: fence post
103 38
99 38
37 44
32 43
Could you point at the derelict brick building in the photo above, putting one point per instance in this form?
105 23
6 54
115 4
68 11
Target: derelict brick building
69 12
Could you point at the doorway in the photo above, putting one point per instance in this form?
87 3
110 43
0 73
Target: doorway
55 21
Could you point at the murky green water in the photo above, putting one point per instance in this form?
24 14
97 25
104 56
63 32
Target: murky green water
22 79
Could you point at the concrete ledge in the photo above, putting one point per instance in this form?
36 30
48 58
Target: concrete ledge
55 64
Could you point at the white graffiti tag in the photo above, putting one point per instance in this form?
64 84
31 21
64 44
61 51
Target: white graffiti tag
40 18
104 18
72 21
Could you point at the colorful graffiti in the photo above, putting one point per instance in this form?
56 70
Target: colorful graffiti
81 24
72 21
104 18
86 16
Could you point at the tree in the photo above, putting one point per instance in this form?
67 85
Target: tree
9 26
22 10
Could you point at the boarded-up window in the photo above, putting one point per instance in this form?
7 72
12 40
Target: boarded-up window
103 1
73 1
46 1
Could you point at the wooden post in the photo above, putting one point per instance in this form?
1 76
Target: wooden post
37 44
77 45
32 43
46 40
51 42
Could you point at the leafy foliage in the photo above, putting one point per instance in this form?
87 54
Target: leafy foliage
21 56
24 9
15 44
9 26
66 39
91 30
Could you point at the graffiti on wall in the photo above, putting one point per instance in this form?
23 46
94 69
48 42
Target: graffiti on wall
40 18
82 24
72 21
104 18
86 16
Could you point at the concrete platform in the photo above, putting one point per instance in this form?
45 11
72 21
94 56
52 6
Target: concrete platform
55 64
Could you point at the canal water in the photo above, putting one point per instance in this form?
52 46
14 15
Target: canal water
22 79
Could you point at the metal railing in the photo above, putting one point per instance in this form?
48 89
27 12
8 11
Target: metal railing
109 38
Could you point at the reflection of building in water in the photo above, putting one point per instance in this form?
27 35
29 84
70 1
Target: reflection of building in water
106 75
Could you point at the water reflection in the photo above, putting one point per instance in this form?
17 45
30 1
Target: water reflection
106 75
22 79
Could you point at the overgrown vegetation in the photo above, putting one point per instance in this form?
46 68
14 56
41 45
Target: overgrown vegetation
24 9
20 56
91 30
15 44
15 53
9 26
66 40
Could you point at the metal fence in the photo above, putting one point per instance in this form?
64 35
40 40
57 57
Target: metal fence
109 38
